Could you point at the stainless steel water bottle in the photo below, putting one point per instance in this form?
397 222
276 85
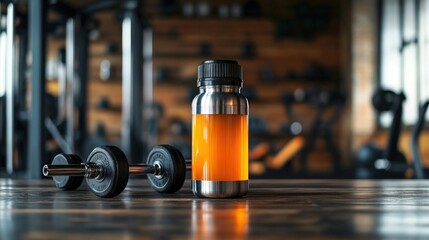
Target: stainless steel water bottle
220 132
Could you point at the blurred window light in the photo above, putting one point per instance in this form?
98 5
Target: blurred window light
2 63
404 53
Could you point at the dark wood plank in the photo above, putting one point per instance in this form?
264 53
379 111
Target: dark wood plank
273 209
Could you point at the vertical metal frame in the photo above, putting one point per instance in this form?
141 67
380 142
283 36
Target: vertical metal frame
417 4
21 93
149 139
10 88
2 57
37 36
82 72
3 89
62 84
132 82
70 72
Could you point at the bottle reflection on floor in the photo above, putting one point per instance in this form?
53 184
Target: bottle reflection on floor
231 221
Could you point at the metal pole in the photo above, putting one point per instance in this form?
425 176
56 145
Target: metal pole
415 136
62 84
131 82
149 139
22 67
2 90
21 95
3 40
37 36
82 72
70 69
401 49
2 56
53 130
418 48
10 89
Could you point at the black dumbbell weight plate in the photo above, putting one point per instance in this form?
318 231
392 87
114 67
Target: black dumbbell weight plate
115 171
67 182
173 169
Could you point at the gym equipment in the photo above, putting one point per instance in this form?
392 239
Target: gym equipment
154 111
51 104
59 120
2 131
293 126
323 100
111 48
316 72
179 127
273 161
258 149
188 9
67 182
375 162
265 160
105 104
223 11
180 133
106 170
236 10
10 85
105 70
203 9
286 153
420 172
26 149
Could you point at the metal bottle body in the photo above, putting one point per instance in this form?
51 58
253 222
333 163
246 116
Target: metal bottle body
220 142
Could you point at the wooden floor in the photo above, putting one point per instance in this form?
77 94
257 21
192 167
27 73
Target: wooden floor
297 209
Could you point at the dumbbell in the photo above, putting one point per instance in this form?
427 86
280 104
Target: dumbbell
106 170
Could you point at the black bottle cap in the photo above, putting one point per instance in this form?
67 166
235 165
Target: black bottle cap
219 72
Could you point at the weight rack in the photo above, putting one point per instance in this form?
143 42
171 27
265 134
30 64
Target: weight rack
25 136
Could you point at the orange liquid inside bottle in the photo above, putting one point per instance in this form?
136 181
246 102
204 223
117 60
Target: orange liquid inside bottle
220 147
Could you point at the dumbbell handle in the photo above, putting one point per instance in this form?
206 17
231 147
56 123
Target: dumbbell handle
148 169
91 170
152 169
87 170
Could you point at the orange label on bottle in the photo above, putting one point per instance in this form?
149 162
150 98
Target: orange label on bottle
220 147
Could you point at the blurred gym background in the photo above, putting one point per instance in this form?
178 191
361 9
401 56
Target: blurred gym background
337 88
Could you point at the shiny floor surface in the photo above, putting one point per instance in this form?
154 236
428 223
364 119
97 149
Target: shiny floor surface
276 209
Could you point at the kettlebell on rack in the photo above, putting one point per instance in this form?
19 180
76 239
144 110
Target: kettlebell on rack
374 162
